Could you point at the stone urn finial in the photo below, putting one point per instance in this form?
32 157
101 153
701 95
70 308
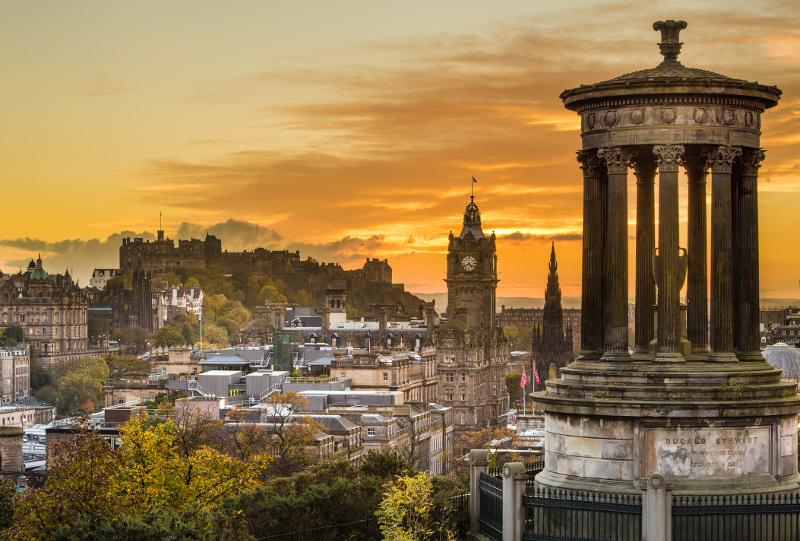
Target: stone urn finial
670 39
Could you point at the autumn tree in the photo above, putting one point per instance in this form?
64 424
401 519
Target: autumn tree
408 512
90 482
168 336
476 439
293 435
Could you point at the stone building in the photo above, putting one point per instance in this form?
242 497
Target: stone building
138 306
413 374
472 354
528 318
552 343
15 366
780 326
51 309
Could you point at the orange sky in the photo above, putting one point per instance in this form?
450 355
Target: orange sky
348 129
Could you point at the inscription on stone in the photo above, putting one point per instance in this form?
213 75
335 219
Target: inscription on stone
707 452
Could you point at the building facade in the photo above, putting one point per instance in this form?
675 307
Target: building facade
15 363
472 354
50 309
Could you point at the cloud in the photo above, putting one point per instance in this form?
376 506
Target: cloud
517 237
236 235
79 255
349 251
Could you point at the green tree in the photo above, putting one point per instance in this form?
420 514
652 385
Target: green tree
94 327
137 337
213 334
511 332
7 492
302 298
168 336
270 294
512 385
39 377
188 336
11 336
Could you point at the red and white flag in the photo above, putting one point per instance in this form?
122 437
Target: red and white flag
524 380
535 375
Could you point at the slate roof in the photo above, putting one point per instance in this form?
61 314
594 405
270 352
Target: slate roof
785 357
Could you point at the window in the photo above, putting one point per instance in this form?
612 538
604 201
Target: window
463 378
370 431
448 395
494 390
463 418
463 395
343 376
386 376
449 378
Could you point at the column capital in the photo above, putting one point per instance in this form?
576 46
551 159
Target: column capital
668 156
617 159
588 160
695 163
751 159
721 158
644 168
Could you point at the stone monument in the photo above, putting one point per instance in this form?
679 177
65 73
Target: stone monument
710 415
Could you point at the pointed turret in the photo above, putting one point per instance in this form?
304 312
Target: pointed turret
472 221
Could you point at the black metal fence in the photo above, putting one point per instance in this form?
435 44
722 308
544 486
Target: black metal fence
736 517
565 515
531 466
491 505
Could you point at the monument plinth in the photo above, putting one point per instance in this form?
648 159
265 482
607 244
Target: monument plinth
711 415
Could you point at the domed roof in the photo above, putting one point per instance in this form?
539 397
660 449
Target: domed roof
671 77
784 357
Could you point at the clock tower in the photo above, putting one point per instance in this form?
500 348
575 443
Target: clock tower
472 275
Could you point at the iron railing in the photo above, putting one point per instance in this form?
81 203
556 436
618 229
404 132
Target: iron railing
491 505
567 515
736 517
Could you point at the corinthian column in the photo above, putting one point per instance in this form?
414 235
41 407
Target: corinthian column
616 253
668 273
594 210
645 171
746 257
697 284
721 162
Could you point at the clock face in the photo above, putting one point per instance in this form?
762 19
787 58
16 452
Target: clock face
469 263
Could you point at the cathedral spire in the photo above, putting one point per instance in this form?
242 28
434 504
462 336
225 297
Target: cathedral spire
553 264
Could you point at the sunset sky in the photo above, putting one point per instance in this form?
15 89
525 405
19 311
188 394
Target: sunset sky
349 129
